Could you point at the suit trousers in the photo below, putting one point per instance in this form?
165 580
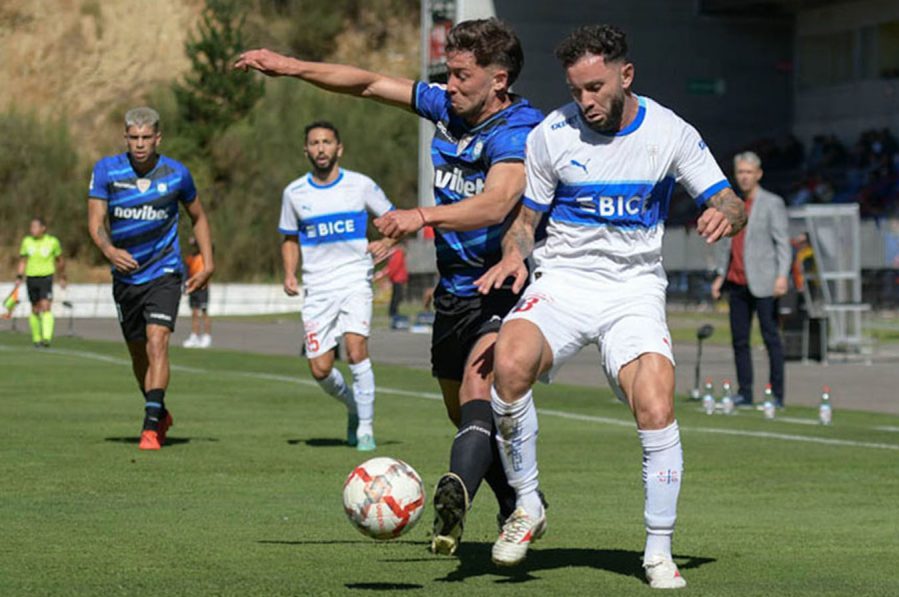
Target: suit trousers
742 306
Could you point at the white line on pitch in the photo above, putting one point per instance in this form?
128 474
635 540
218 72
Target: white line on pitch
543 411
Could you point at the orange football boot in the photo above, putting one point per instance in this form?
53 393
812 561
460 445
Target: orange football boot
149 440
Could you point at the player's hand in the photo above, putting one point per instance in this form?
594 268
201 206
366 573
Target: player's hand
511 266
400 222
780 286
291 286
380 250
713 225
122 260
198 281
717 283
265 61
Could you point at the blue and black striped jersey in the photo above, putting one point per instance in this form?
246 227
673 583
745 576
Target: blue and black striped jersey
462 156
143 213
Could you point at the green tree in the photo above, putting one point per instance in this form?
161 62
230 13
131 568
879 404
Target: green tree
213 96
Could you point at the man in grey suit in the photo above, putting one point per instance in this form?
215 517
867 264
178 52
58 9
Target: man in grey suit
752 268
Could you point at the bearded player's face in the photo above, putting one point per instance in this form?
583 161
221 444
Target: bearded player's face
323 149
599 88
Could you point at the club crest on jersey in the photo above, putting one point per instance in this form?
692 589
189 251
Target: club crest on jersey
478 148
143 184
162 187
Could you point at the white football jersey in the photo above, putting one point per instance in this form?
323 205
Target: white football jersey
330 222
608 196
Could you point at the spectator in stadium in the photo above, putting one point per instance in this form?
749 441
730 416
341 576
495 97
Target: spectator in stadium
198 299
398 275
478 155
138 192
40 256
753 268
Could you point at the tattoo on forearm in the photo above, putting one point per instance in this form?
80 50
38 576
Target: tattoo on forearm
103 240
727 202
520 236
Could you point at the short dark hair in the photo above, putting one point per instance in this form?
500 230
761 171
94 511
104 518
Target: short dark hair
492 42
321 124
607 41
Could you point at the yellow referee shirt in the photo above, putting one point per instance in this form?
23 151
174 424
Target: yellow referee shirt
41 253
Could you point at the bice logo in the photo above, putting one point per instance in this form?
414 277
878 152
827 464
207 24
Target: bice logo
455 181
144 212
330 228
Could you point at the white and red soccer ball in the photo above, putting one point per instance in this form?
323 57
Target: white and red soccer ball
383 497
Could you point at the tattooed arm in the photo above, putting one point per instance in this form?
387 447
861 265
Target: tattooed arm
96 227
724 216
518 242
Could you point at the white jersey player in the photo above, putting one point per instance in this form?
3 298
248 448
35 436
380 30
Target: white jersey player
603 168
324 214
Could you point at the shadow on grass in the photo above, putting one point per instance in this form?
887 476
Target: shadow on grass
474 560
332 542
383 586
169 441
332 442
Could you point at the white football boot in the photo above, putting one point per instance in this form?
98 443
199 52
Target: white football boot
193 341
662 573
517 534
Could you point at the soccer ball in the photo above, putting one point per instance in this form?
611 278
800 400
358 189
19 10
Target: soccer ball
383 497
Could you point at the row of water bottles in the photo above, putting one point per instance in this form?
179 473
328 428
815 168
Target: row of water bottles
769 409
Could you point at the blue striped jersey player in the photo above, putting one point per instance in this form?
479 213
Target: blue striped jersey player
133 209
324 217
603 169
478 157
462 156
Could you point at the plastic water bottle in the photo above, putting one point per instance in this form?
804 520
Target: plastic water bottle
768 405
727 403
825 412
708 399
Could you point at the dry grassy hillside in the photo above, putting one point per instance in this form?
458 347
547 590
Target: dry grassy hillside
90 59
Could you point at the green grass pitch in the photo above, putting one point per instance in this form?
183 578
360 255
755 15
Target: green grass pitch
246 498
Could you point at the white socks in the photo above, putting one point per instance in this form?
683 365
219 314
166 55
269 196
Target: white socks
516 437
333 385
364 394
663 466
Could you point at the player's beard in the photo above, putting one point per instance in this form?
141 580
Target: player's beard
323 172
612 124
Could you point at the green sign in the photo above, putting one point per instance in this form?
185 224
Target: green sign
706 86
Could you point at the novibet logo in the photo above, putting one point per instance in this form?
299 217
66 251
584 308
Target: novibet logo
144 212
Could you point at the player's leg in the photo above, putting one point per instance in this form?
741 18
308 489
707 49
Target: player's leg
34 319
159 302
46 313
355 322
648 383
768 313
193 341
740 313
203 317
320 320
363 388
522 355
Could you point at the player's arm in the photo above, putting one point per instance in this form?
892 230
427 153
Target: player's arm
518 242
61 270
502 189
724 216
96 227
203 234
339 78
290 259
20 269
380 249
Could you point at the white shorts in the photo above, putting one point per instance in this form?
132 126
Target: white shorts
623 319
327 316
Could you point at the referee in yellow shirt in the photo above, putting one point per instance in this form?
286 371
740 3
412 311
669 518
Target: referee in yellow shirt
40 256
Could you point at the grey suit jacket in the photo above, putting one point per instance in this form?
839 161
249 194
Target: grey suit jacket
767 251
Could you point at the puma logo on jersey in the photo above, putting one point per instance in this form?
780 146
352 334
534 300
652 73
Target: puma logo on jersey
455 181
144 212
577 164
